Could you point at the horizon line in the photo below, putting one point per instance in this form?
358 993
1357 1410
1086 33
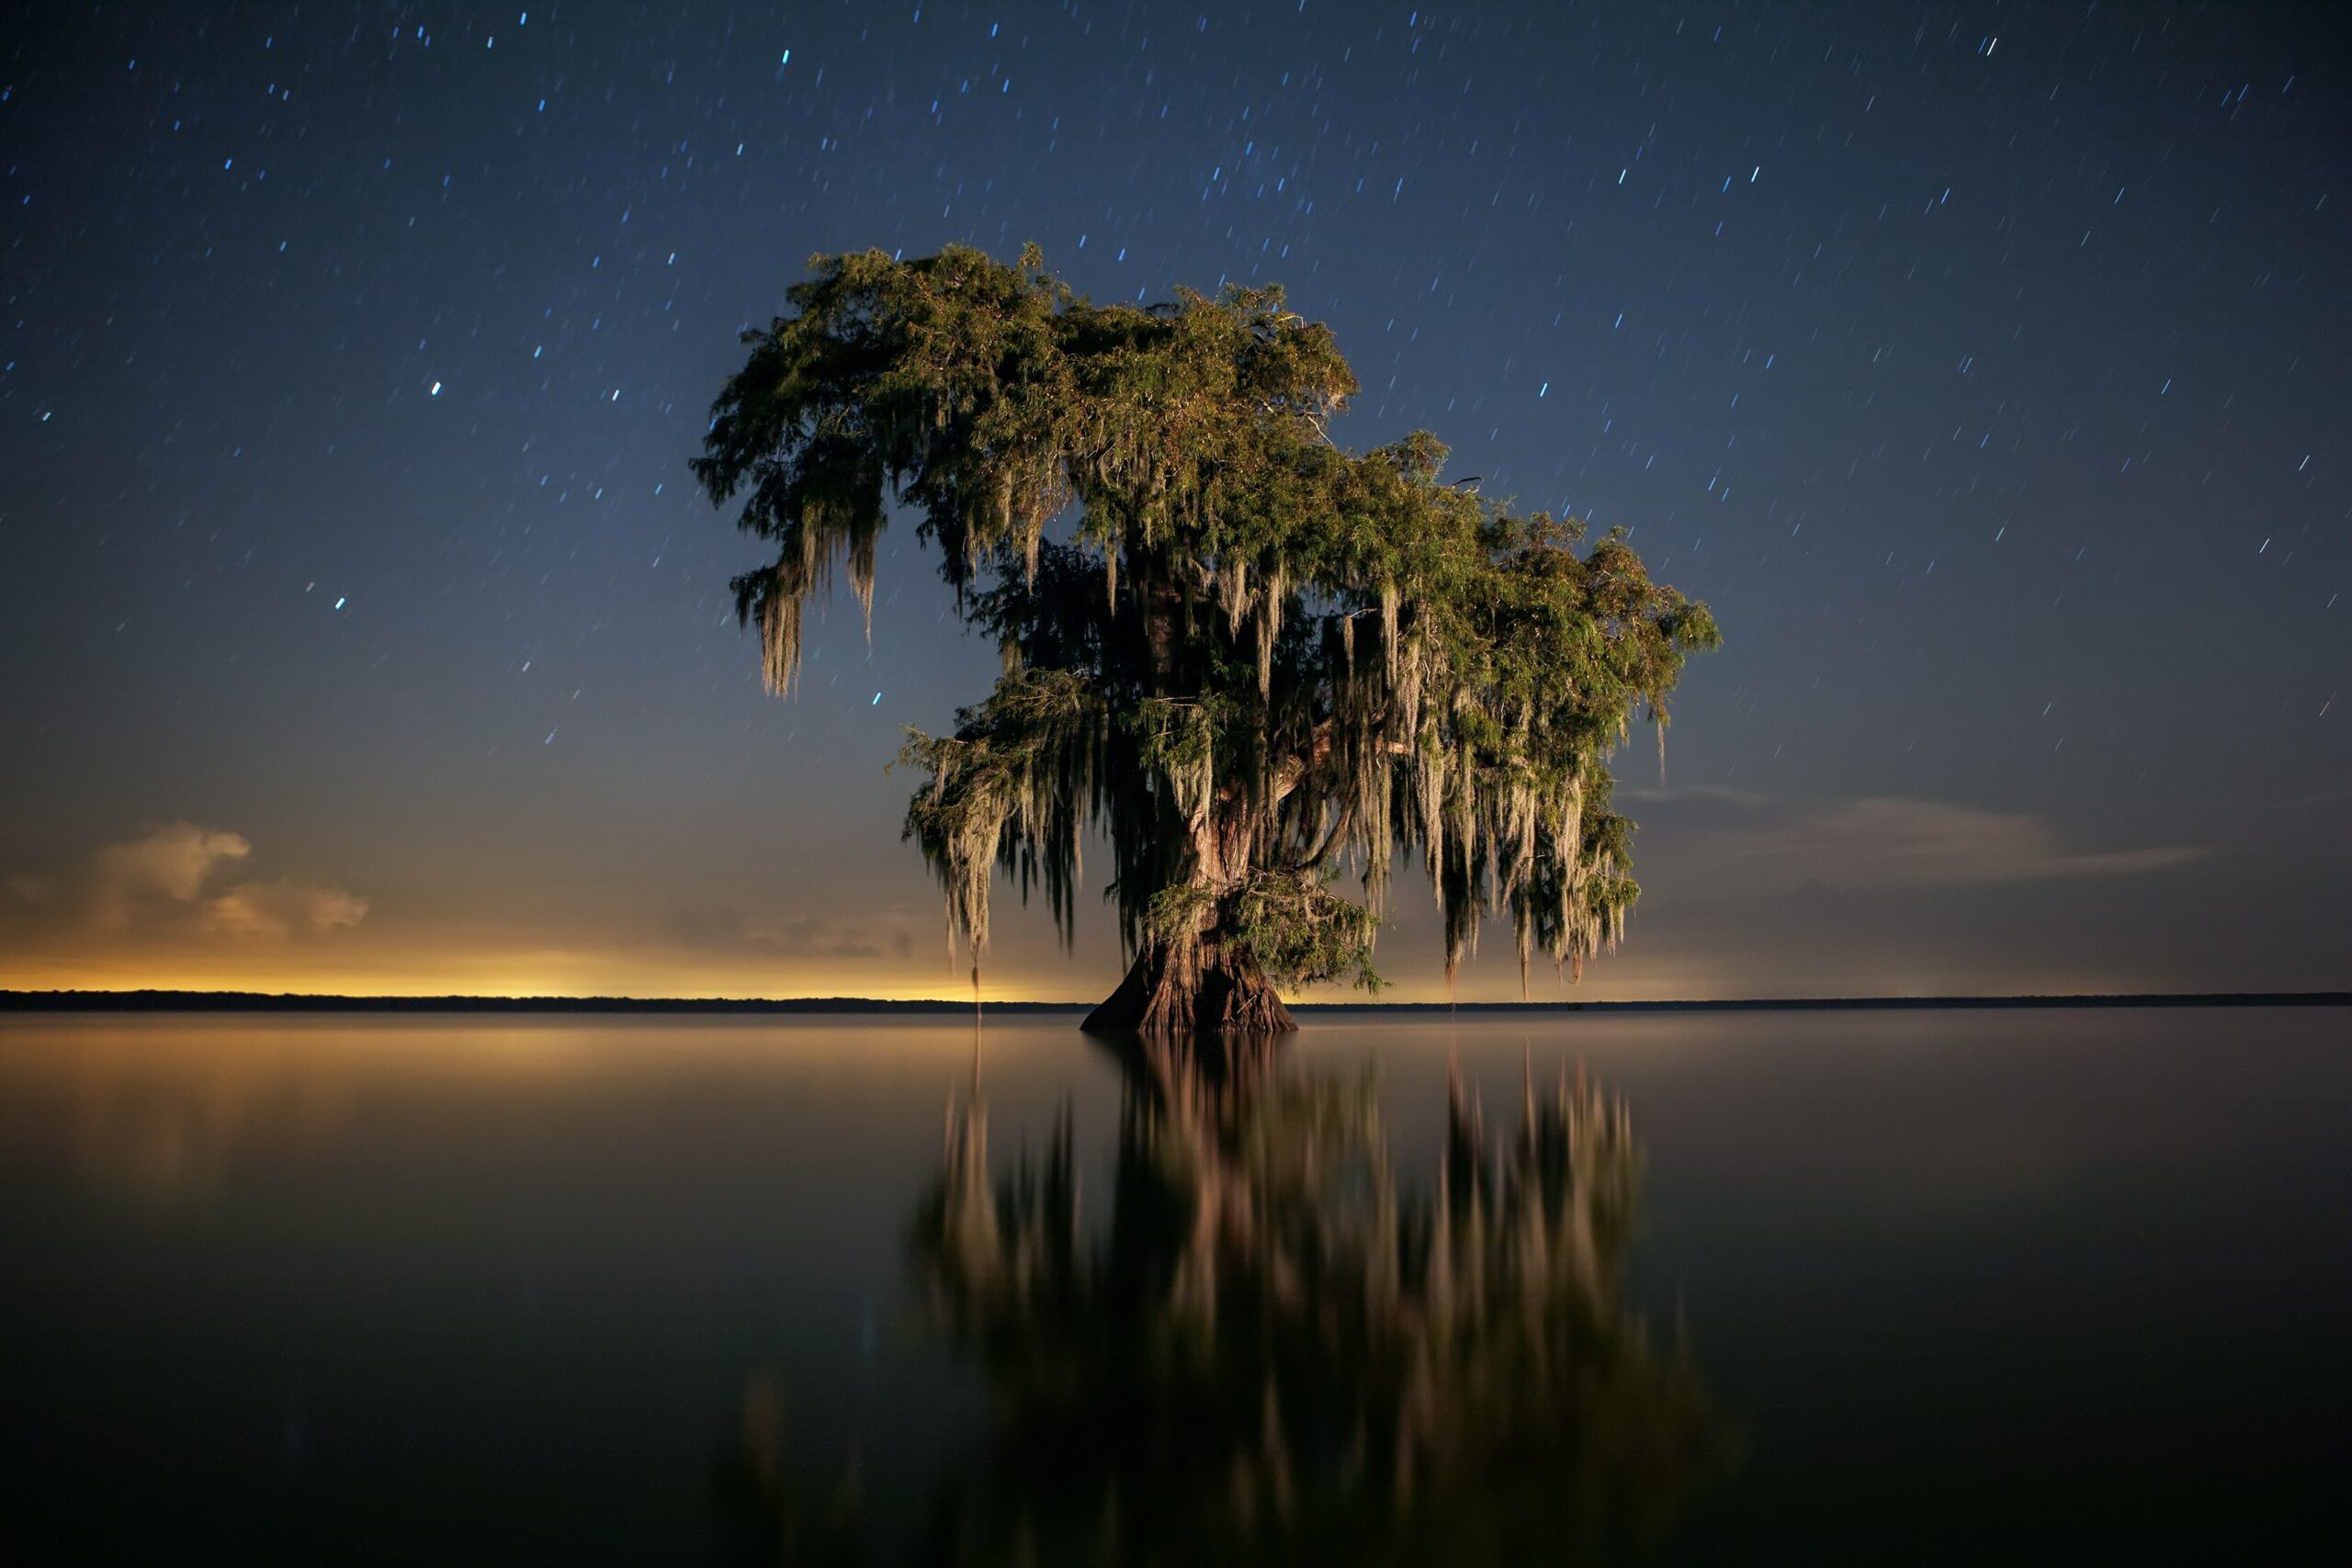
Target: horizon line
180 1001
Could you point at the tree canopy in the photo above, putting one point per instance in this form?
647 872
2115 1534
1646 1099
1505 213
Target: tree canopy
1250 658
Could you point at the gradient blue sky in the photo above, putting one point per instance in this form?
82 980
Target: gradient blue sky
1983 365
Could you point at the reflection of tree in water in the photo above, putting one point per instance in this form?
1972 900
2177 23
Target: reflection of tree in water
1267 1351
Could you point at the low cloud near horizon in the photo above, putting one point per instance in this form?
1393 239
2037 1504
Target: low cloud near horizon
167 884
1757 843
729 931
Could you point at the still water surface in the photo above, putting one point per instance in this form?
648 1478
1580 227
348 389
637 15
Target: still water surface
1957 1286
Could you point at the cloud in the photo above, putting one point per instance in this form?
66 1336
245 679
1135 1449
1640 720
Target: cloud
165 884
168 863
1889 841
1926 842
729 931
282 907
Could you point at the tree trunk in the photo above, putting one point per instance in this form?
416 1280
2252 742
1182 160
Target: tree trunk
1197 987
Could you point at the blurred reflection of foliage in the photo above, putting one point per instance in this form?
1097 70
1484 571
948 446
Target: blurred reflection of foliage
797 1524
1267 1353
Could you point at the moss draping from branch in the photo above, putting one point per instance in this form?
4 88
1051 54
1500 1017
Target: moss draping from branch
1182 668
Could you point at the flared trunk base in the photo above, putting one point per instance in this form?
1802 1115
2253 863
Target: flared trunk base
1201 989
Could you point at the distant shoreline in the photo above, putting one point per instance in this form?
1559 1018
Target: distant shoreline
260 1002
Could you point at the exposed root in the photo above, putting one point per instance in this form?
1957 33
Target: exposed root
1196 989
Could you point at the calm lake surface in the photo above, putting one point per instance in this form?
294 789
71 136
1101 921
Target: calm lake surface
1874 1286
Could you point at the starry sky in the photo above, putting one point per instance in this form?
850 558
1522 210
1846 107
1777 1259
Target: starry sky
1983 365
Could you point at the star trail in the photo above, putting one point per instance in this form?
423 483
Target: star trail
1983 365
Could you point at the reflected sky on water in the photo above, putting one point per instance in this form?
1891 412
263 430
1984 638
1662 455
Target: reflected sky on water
1921 1284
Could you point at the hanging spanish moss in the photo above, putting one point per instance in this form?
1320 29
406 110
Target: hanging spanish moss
1143 507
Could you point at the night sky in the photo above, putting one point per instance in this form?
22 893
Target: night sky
1986 366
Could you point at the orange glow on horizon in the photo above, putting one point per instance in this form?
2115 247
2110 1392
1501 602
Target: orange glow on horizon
571 975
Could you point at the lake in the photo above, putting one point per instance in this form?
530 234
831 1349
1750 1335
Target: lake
1662 1287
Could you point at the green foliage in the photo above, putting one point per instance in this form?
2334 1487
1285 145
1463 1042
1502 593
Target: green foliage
1302 931
1244 654
1177 913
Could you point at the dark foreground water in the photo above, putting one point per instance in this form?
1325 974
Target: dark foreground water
1885 1287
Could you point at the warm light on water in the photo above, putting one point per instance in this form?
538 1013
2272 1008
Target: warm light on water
1891 1286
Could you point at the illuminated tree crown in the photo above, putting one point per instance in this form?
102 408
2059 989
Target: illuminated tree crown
1247 656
